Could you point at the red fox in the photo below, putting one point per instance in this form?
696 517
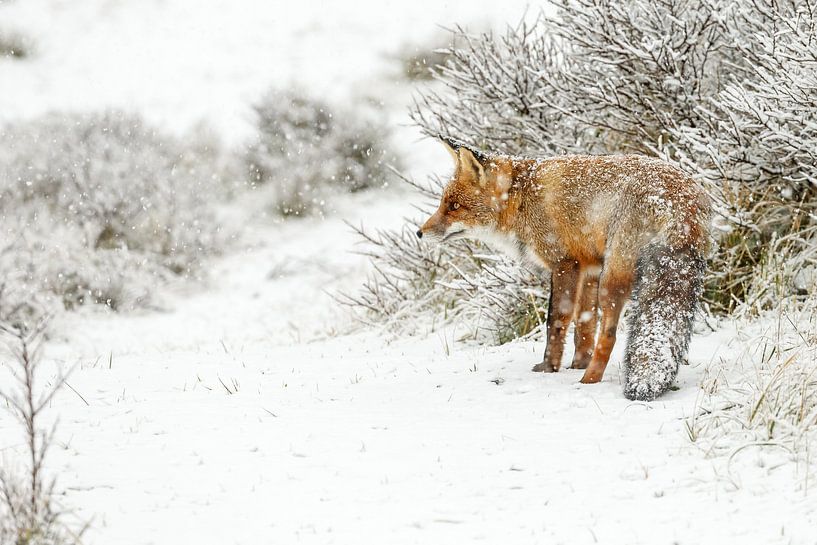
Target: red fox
605 226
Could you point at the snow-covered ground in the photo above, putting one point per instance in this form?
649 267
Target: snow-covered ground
247 412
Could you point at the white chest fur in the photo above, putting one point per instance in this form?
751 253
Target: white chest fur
508 244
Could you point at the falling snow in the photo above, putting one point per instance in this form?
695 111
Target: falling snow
221 394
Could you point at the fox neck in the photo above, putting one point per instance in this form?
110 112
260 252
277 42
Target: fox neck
508 234
502 236
506 221
518 172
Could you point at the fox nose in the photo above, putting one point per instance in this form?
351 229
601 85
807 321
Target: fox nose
419 234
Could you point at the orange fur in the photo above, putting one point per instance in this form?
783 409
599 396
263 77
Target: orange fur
576 215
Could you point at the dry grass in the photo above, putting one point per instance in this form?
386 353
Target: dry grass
766 397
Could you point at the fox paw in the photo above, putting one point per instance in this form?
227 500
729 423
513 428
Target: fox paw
544 367
591 377
580 363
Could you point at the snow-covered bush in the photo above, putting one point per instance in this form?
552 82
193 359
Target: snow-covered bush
97 208
13 45
306 152
489 93
416 287
723 89
756 149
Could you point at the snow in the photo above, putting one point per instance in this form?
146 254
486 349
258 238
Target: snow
250 411
348 438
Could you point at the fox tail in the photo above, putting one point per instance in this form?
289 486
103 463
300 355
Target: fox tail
668 285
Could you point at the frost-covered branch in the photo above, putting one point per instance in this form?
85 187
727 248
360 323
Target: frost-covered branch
29 511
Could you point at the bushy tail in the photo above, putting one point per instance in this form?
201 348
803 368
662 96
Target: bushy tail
668 285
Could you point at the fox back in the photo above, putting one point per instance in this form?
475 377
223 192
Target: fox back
571 205
635 224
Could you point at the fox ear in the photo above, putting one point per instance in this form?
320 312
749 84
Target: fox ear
468 161
451 146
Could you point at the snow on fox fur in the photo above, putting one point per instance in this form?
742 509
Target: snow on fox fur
606 227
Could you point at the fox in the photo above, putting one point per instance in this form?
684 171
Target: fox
610 229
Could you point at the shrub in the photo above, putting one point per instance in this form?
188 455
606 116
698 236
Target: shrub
491 93
97 208
13 45
763 125
724 90
306 152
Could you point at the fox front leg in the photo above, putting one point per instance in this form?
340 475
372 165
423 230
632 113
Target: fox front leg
564 282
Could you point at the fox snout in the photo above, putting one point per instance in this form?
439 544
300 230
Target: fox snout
436 226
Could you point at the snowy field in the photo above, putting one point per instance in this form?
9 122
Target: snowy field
251 410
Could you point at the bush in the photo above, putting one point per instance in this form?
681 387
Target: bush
723 90
97 209
307 152
763 124
491 93
13 45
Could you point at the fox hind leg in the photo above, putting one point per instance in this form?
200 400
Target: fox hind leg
564 280
614 289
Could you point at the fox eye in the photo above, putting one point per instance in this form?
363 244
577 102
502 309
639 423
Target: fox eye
453 206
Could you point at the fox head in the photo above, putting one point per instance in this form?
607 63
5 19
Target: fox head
474 198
